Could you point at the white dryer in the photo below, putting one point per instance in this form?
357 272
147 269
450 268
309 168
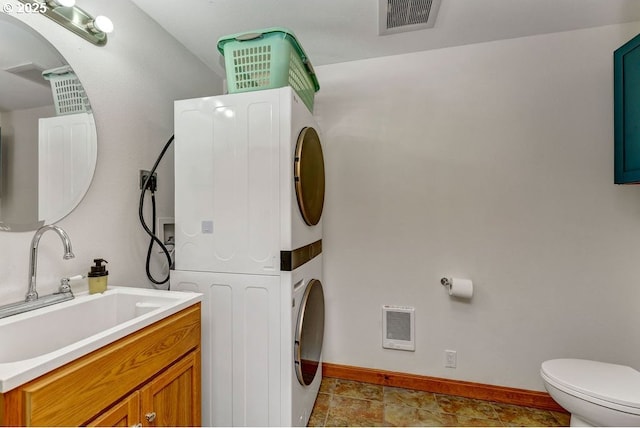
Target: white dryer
249 181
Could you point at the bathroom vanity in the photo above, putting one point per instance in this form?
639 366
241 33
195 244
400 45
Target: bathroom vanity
150 377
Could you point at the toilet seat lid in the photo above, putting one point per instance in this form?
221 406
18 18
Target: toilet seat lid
609 382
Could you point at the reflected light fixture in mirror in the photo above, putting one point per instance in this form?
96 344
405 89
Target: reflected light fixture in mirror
71 17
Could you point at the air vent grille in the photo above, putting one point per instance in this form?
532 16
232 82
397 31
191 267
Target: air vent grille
407 12
406 15
398 325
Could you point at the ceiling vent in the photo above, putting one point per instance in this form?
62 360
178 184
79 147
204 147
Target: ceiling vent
30 71
399 16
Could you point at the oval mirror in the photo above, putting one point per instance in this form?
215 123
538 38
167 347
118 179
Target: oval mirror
48 139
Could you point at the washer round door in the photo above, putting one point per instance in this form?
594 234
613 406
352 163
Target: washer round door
309 333
309 176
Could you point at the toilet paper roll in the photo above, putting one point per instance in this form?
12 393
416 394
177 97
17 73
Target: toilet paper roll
460 287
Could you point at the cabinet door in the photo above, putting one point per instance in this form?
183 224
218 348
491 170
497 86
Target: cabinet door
173 397
126 413
626 68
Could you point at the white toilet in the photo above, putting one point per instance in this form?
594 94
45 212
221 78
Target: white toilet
595 393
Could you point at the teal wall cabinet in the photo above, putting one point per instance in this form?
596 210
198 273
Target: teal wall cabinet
626 95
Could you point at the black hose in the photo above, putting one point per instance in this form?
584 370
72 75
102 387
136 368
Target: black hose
152 233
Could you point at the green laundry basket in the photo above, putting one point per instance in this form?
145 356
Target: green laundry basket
69 96
268 59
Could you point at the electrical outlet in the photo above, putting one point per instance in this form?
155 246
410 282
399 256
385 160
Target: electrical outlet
152 185
450 359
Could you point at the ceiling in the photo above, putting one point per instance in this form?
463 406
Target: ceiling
24 54
333 31
330 31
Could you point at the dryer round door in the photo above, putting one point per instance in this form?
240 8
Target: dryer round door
309 333
309 176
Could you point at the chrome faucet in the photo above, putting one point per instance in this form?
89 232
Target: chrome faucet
32 294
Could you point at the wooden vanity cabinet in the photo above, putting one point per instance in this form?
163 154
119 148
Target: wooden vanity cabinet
170 399
126 413
151 378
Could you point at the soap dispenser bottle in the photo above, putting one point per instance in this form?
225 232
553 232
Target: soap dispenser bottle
98 277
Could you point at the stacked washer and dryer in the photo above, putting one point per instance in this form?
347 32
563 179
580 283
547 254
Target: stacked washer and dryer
249 186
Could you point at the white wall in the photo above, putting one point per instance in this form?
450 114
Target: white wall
492 162
132 83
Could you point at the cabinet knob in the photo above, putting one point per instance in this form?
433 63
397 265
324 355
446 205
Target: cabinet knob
151 416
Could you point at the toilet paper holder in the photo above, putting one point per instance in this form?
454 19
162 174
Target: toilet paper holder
459 288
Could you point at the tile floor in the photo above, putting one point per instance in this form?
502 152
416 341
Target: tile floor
347 403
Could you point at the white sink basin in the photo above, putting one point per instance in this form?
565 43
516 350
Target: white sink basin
35 342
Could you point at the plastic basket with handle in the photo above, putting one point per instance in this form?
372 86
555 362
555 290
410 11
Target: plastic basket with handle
268 59
69 96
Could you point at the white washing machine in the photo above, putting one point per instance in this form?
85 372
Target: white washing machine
249 181
307 316
261 344
249 194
